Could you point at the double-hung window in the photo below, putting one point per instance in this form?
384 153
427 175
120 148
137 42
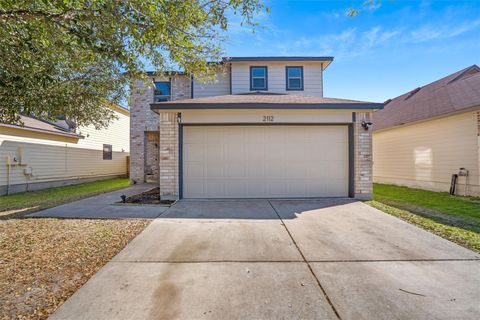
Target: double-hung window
258 78
294 78
162 91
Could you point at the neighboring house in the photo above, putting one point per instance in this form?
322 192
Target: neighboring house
262 130
41 154
424 136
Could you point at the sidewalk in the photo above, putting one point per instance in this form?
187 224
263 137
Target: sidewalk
104 206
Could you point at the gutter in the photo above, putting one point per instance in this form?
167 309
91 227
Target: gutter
280 106
70 135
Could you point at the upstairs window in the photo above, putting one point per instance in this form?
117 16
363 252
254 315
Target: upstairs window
294 78
162 91
258 78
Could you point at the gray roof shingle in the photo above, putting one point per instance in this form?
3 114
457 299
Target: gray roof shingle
30 123
265 100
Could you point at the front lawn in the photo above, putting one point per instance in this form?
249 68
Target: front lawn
452 217
18 204
44 261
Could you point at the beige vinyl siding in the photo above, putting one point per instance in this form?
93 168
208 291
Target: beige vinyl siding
117 134
426 154
312 77
54 157
219 87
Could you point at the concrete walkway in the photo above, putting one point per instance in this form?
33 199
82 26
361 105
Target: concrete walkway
104 206
259 259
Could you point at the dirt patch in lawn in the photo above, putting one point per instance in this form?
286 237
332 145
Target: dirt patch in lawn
44 261
148 197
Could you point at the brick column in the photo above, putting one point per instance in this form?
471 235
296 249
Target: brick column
363 158
169 155
142 119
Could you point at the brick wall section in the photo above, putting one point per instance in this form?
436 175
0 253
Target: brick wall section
363 159
152 155
168 155
143 120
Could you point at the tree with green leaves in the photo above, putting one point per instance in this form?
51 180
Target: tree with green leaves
68 57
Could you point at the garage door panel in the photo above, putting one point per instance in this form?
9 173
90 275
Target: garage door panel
214 170
265 161
194 189
275 134
274 151
276 188
235 170
296 188
255 152
215 188
194 170
275 171
233 151
195 136
255 169
235 188
213 153
214 135
194 152
234 134
255 135
296 169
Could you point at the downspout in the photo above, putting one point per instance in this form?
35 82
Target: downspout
8 175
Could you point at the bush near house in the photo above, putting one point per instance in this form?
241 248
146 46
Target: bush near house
454 218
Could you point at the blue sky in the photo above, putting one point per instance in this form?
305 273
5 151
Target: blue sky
386 50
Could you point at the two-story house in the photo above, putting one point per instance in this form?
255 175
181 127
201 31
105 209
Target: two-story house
262 129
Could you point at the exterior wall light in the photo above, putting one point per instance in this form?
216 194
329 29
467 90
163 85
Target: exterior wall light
366 125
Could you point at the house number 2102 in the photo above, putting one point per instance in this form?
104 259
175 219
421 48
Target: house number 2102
267 118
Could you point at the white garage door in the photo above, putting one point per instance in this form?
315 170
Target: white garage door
265 161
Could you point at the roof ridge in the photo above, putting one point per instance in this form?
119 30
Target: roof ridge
434 99
474 66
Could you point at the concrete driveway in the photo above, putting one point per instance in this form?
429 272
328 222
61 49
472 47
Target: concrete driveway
282 259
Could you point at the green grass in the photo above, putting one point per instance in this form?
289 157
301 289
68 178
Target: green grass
452 217
468 207
37 200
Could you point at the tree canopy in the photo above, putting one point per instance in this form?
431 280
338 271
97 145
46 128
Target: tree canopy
67 57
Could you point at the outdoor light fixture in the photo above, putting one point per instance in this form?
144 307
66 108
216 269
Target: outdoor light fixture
366 125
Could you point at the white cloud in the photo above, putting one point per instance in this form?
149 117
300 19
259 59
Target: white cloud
348 43
353 42
440 31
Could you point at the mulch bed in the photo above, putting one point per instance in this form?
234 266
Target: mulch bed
148 197
44 261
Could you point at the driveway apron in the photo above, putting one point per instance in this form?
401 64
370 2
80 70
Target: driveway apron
281 259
